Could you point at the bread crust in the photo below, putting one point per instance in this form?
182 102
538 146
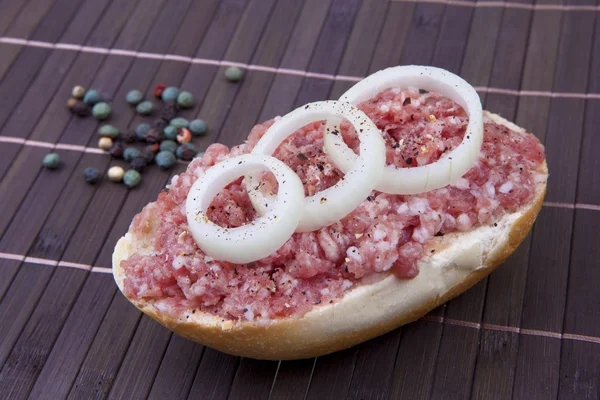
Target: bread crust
367 311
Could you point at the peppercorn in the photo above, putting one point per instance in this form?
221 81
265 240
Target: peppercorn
108 131
198 127
105 143
81 109
78 92
51 161
159 124
115 174
184 136
91 175
186 151
92 97
141 131
144 108
138 163
133 97
179 122
158 90
153 136
71 103
130 153
148 153
117 150
185 100
129 137
169 111
199 154
101 111
169 145
170 93
131 178
234 74
170 132
165 159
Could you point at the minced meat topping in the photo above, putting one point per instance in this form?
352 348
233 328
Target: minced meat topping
385 234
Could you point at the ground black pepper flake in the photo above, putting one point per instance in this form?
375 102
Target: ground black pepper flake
406 102
409 160
302 157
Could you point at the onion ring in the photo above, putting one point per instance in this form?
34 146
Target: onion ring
261 237
334 203
450 166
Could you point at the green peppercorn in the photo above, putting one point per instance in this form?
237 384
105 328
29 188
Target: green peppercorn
101 111
198 127
133 97
141 131
132 178
179 122
108 131
170 94
130 153
185 100
234 74
186 151
78 92
144 108
51 161
92 97
170 132
169 145
165 159
138 164
91 175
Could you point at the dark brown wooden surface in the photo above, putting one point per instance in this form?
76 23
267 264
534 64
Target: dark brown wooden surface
530 330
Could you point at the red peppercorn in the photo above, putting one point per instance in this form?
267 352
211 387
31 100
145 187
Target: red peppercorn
158 90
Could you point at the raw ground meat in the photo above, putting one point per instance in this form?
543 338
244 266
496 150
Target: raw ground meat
385 234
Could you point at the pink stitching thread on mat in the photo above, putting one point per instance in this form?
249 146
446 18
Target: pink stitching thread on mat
505 4
430 318
296 72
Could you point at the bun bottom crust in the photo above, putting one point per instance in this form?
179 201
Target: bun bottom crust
460 261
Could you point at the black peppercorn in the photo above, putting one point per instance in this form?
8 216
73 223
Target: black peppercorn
129 136
117 150
159 124
138 164
186 151
148 153
153 136
168 111
91 175
81 109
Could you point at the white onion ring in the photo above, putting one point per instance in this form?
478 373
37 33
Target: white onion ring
452 165
263 236
334 203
